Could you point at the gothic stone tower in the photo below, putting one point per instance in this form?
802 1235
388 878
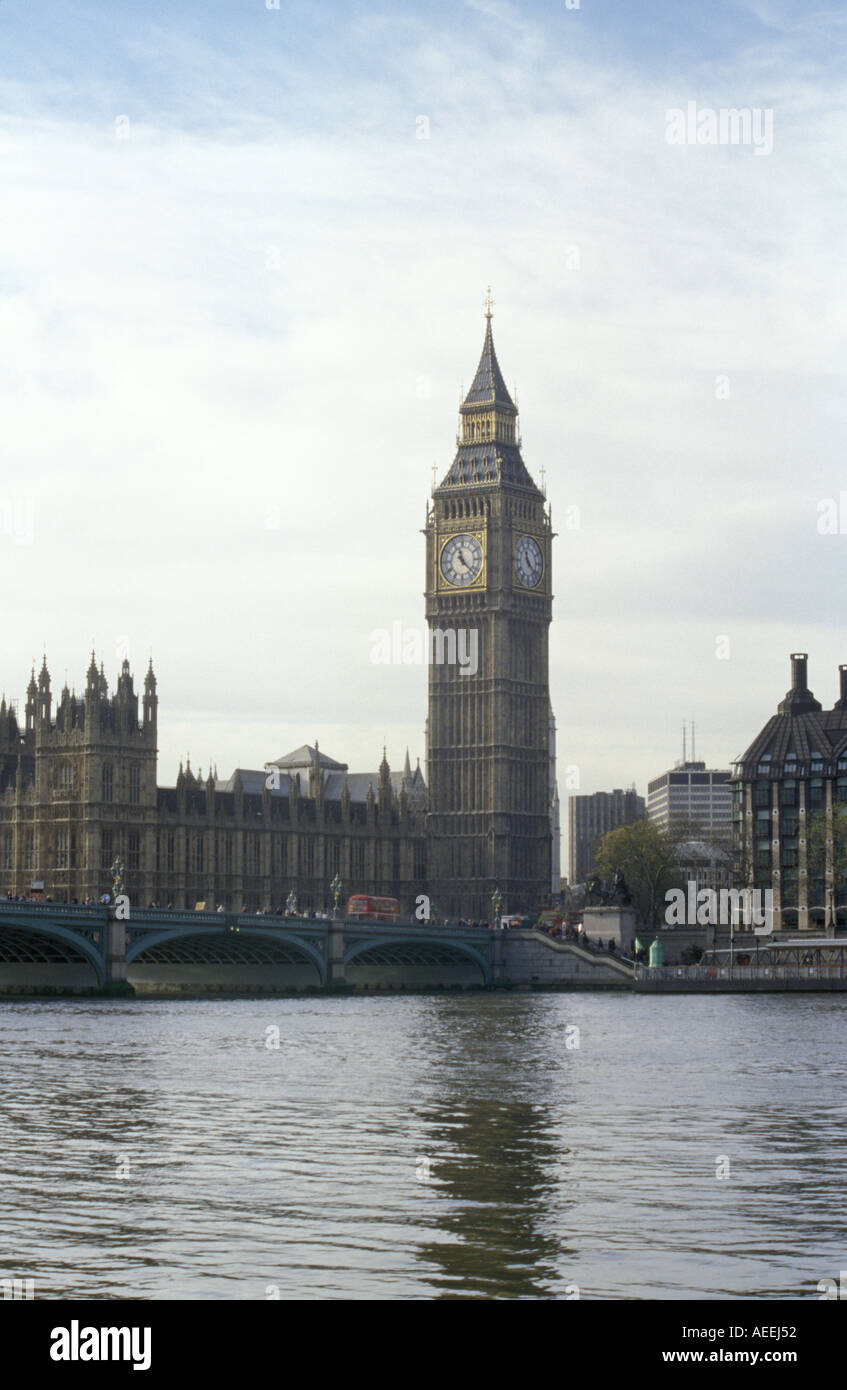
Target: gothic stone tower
488 551
78 787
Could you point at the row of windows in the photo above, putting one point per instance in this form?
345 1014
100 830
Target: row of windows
479 429
68 782
789 794
194 851
66 851
791 768
467 506
194 854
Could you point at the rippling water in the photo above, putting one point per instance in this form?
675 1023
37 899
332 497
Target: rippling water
424 1146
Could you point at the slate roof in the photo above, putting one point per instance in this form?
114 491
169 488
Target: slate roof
358 783
306 756
488 387
802 728
491 462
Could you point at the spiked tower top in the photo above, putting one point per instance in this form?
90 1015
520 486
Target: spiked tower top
489 448
488 387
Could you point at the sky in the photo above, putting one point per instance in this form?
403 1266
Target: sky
244 253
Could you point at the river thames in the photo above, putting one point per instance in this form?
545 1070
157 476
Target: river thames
511 1146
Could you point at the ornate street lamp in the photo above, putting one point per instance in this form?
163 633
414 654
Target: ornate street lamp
496 900
336 893
291 904
117 872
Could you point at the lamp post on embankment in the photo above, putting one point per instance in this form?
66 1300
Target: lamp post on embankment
116 982
335 939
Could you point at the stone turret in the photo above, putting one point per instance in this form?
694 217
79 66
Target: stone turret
150 703
45 700
316 778
92 697
385 793
31 702
126 700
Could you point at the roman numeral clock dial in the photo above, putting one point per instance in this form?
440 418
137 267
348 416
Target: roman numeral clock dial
461 560
529 562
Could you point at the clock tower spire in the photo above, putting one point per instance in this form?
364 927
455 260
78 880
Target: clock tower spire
488 604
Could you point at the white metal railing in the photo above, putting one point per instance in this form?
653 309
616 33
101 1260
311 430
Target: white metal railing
715 973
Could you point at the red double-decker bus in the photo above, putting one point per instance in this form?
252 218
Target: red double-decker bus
362 908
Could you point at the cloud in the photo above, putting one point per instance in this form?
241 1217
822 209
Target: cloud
232 336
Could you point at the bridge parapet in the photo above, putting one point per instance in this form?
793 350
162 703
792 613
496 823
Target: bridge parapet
532 957
336 951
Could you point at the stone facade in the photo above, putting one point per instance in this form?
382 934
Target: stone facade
78 784
592 817
488 578
78 788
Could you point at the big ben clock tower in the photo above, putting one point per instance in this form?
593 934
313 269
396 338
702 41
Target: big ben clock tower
488 606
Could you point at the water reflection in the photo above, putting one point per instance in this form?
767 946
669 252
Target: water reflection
548 1167
497 1171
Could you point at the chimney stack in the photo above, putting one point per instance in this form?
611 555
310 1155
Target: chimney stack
799 699
799 661
842 703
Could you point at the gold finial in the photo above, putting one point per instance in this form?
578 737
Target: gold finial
543 480
489 303
434 475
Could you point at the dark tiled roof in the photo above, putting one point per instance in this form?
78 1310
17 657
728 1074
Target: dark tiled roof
488 387
492 462
358 784
306 756
803 734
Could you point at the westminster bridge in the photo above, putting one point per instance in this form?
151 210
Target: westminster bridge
50 948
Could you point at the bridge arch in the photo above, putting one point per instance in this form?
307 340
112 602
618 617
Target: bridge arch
141 942
16 930
405 948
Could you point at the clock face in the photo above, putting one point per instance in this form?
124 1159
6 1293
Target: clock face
529 562
461 560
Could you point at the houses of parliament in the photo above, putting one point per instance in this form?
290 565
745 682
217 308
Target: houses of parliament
78 776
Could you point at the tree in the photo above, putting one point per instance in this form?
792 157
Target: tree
647 858
817 833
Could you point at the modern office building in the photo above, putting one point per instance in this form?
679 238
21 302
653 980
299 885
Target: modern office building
592 817
692 795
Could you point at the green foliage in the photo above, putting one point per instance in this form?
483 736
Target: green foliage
816 846
646 856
